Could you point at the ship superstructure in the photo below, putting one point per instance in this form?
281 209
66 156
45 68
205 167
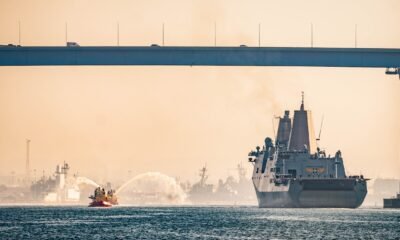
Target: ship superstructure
61 188
232 190
295 172
201 192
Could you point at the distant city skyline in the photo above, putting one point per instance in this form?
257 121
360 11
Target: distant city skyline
106 121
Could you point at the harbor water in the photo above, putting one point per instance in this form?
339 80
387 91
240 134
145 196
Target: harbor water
123 222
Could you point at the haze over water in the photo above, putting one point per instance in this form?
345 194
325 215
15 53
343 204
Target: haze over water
112 123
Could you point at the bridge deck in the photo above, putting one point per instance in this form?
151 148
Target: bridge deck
200 56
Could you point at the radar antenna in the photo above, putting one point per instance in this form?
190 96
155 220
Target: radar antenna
320 129
203 175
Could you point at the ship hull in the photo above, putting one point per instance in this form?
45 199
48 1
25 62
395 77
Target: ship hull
100 204
313 193
391 203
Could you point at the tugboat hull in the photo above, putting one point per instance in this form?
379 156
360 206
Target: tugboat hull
100 204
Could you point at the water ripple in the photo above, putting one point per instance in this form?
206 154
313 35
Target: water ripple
186 222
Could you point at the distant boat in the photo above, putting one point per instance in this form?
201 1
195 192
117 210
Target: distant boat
393 202
201 192
103 199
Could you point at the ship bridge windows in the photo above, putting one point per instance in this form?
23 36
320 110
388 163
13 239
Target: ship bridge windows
275 170
315 170
292 172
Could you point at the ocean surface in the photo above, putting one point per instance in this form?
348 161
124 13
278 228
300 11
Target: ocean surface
123 222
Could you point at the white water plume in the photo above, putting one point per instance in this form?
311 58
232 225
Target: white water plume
85 180
151 188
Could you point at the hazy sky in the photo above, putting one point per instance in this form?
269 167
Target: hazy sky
106 121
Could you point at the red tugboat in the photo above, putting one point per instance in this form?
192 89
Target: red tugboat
103 199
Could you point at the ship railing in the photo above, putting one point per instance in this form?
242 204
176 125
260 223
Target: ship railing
279 181
283 178
356 176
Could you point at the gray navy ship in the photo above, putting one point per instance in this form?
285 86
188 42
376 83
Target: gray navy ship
294 172
393 202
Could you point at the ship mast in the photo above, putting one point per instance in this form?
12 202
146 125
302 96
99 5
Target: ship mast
241 171
203 176
28 141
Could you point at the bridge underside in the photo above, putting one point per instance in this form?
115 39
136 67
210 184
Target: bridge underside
202 56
